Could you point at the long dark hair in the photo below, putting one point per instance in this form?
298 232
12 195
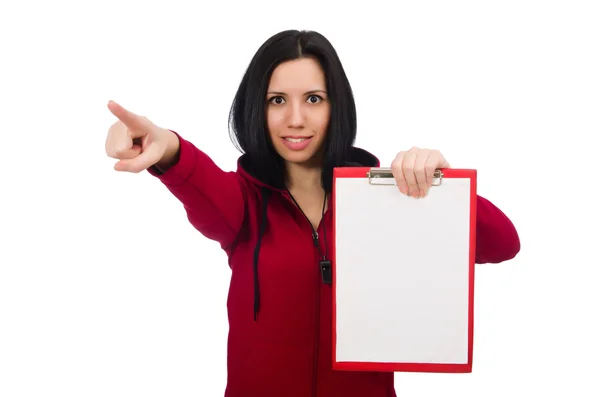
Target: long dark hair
247 119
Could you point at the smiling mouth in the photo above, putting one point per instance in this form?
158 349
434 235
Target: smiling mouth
296 142
296 139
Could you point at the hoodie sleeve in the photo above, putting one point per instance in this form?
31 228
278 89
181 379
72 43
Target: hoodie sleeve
213 199
497 239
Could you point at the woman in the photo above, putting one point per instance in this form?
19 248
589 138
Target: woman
294 119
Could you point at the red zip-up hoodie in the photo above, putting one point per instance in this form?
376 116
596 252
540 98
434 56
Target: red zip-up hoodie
280 311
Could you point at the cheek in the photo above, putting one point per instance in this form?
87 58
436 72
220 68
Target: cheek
322 121
274 121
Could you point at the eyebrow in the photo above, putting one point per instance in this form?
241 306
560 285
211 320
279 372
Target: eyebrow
306 93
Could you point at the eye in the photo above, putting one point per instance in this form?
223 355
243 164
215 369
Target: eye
276 100
314 99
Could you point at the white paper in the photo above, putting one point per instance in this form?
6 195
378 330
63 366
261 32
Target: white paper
402 273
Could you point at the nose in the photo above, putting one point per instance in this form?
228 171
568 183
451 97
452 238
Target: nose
295 115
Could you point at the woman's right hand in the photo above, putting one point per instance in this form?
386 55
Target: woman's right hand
138 143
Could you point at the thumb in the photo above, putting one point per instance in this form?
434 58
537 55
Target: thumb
150 156
130 119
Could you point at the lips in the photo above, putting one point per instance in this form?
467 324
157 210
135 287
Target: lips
295 139
296 142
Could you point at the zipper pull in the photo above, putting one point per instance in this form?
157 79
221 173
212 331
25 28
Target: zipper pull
326 273
316 239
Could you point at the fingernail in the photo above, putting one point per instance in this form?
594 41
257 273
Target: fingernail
404 189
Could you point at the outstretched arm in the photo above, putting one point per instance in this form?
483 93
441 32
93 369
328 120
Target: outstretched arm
213 199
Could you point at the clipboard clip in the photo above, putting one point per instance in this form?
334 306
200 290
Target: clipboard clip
384 176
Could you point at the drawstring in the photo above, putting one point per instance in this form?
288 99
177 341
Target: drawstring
265 192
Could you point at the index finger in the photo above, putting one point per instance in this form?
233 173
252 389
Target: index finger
128 118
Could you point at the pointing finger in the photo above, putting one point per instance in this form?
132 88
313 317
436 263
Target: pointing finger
130 119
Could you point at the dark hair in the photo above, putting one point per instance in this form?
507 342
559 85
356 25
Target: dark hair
247 119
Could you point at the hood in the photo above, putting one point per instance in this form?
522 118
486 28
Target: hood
358 158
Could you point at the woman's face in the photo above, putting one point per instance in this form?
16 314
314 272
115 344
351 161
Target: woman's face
298 111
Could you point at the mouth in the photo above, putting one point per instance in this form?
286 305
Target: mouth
296 142
296 139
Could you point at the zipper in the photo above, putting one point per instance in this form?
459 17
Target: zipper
317 334
318 280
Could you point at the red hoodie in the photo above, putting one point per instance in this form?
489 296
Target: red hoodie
286 351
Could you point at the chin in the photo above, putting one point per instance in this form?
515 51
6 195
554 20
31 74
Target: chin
299 158
306 156
298 152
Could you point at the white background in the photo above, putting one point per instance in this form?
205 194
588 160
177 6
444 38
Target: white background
105 288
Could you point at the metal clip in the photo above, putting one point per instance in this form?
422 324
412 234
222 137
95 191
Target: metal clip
384 176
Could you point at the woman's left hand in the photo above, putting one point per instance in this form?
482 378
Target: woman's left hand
414 169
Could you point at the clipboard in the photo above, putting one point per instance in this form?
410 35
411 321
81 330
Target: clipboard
403 272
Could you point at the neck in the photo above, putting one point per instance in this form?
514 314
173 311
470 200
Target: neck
303 178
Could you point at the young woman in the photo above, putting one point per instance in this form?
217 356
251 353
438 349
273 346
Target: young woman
294 119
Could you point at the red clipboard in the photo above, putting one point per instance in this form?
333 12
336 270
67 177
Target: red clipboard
403 272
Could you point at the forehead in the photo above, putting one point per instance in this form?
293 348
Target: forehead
298 75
